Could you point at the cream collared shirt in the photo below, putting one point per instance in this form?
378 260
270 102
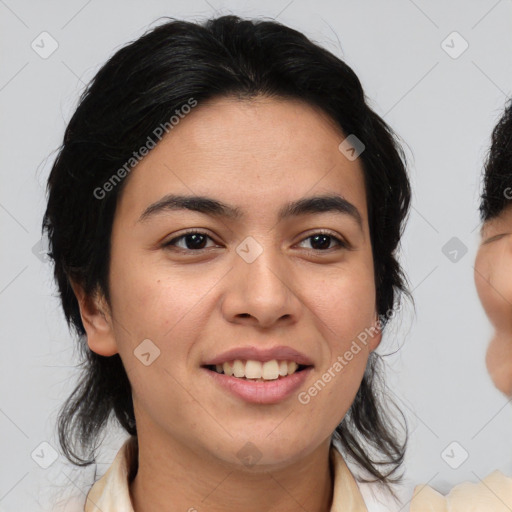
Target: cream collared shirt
492 494
111 492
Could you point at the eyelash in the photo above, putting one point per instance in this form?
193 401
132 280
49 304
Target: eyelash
341 243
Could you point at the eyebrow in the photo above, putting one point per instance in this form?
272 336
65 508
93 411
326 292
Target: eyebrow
494 238
209 206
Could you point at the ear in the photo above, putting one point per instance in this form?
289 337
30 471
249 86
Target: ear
97 321
376 334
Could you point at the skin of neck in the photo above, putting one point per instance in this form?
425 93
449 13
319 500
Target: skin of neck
172 477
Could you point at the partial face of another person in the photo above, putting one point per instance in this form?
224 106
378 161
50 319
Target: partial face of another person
210 284
493 278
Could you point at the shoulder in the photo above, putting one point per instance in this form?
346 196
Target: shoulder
378 497
492 494
111 492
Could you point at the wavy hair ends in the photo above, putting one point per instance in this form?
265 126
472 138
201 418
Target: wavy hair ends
138 89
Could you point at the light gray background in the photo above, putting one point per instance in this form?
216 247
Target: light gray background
443 108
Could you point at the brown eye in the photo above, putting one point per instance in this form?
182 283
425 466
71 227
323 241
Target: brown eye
322 241
193 240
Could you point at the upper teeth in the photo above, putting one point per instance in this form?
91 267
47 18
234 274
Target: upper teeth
250 369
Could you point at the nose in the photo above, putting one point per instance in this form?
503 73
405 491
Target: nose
262 293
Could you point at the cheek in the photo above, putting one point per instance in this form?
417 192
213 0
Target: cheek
345 301
330 395
344 309
169 310
152 301
493 280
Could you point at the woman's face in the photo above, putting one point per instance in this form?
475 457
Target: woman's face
493 278
295 285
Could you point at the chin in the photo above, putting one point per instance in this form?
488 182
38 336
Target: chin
261 453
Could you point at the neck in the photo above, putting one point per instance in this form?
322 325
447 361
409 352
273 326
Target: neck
169 473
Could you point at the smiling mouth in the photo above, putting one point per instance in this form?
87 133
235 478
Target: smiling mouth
256 370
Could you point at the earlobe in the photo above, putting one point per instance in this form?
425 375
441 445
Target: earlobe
97 321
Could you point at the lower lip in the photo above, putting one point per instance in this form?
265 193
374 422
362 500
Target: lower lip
269 392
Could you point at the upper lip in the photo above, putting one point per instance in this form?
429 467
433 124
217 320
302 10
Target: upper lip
282 353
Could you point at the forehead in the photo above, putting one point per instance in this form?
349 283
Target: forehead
262 118
262 152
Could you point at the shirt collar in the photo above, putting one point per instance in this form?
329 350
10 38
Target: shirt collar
111 492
